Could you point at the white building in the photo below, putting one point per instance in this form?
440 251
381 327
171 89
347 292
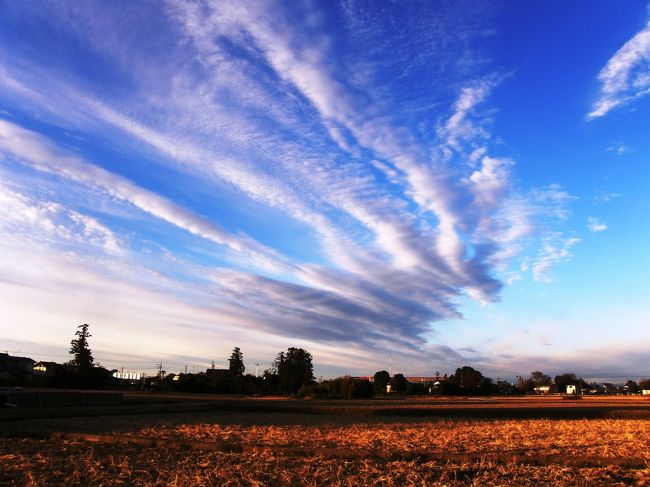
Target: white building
127 375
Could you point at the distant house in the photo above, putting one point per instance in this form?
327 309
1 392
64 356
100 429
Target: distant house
645 392
411 379
542 389
15 370
19 363
120 374
45 368
423 380
572 389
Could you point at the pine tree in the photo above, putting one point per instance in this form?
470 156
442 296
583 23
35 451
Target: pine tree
236 363
80 350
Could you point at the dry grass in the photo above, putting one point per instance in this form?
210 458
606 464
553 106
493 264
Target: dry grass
217 448
616 438
40 463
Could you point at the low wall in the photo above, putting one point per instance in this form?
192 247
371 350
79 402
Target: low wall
60 398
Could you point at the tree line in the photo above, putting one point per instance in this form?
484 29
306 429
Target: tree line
538 380
292 373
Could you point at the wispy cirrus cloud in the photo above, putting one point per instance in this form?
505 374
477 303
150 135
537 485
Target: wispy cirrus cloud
620 149
554 251
605 196
20 214
34 149
431 184
626 76
403 202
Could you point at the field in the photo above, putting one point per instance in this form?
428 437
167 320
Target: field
208 440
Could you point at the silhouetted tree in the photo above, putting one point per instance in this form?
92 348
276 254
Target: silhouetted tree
563 380
82 358
236 363
644 384
360 389
522 384
536 379
632 386
344 388
398 383
505 388
278 363
380 380
467 378
294 369
416 388
540 379
470 381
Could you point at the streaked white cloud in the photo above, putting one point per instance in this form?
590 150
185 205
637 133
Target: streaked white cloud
34 149
553 251
459 127
50 221
399 219
626 76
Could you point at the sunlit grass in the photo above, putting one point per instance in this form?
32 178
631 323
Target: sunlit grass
213 448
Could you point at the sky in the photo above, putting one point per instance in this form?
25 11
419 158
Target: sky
441 183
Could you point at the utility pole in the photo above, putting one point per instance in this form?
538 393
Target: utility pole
159 364
186 368
390 364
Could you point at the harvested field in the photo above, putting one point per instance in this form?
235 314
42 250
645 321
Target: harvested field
223 447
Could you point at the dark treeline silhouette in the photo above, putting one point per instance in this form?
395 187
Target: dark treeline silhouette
290 374
80 372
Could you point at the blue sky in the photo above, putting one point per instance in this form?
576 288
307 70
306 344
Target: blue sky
450 183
